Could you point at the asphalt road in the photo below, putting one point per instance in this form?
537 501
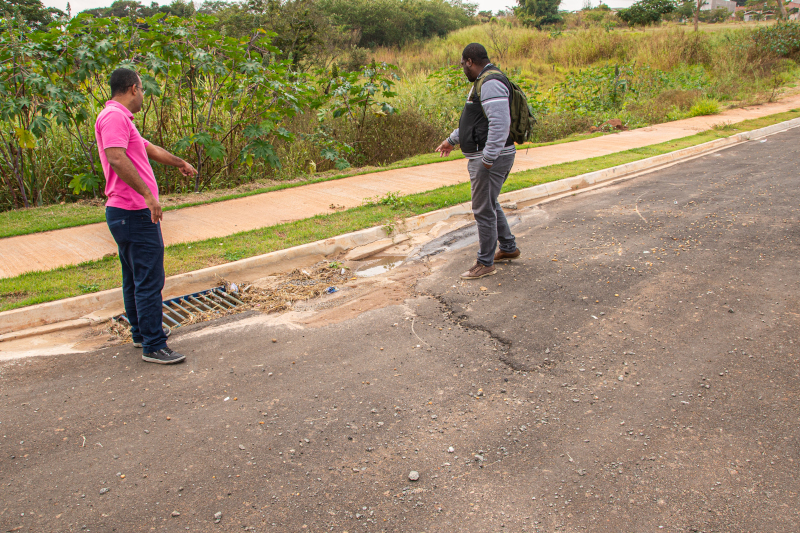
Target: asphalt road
635 371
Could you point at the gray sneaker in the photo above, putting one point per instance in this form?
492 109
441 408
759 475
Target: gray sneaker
164 356
167 332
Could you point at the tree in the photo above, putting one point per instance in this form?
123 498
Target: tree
484 16
713 16
134 9
697 7
212 7
179 8
395 22
646 12
122 8
33 11
296 24
538 13
783 10
684 10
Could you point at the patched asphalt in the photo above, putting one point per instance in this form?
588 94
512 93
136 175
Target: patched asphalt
635 370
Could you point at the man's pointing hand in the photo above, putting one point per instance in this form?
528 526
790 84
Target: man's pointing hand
445 148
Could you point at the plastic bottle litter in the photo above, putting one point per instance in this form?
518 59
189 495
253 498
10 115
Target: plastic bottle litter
234 288
331 290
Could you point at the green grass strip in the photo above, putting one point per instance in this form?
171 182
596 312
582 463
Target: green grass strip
52 217
92 276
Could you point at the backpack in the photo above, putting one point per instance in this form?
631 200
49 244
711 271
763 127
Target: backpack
522 120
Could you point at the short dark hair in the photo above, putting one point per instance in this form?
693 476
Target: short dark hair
476 52
122 79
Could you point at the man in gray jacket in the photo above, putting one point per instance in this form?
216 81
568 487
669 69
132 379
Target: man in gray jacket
483 132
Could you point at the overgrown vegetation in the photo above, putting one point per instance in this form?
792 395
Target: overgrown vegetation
270 90
92 276
58 216
585 77
229 105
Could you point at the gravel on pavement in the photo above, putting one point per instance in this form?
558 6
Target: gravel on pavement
635 370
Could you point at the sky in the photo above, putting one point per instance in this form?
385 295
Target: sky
483 5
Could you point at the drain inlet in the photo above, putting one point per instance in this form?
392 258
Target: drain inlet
178 311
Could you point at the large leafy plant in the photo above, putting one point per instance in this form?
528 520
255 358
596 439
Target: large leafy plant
217 101
354 94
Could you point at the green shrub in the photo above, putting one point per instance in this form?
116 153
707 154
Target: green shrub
680 98
780 40
713 16
607 89
554 126
706 106
671 104
386 139
538 13
638 114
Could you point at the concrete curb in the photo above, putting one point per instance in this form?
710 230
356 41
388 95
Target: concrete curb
99 307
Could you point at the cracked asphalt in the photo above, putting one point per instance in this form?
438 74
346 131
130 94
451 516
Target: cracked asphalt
636 370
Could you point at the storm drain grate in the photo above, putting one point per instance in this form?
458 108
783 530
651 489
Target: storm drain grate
185 309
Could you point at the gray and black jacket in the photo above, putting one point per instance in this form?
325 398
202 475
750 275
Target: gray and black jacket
483 130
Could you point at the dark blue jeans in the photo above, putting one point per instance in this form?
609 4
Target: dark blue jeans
141 252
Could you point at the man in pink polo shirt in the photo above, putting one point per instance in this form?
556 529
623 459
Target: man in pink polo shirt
133 213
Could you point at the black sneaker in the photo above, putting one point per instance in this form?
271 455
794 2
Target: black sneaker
164 356
166 330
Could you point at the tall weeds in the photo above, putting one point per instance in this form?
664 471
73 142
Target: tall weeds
590 74
575 79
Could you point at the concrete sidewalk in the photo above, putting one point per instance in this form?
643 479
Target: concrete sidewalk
48 250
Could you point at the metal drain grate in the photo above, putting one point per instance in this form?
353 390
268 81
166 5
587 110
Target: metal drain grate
182 309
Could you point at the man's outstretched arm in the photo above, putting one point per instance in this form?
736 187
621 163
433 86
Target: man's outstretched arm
159 155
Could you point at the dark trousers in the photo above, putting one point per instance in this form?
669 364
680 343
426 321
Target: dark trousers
492 224
141 252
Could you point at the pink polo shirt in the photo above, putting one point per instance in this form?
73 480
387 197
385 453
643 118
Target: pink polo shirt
114 128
